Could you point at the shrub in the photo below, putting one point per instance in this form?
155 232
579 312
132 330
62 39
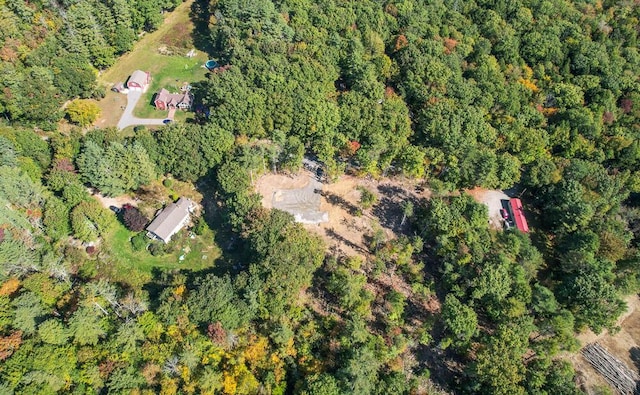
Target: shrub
367 198
167 182
134 219
139 242
156 248
200 227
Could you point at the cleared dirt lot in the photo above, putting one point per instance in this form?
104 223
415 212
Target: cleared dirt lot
334 209
624 345
299 196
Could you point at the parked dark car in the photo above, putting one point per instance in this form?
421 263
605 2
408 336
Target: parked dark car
167 121
115 209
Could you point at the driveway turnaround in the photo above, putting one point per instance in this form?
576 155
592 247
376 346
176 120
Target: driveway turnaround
128 119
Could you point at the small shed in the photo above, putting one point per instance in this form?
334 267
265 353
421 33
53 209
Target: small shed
119 87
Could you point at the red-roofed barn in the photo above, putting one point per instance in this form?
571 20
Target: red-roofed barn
518 215
139 80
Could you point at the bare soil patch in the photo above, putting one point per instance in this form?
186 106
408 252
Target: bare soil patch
624 345
117 201
348 226
299 196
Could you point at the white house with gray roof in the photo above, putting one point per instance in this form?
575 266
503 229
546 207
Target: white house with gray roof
170 220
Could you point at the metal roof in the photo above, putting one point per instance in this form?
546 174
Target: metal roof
171 219
518 215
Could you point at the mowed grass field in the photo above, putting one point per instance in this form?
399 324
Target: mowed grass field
167 71
136 267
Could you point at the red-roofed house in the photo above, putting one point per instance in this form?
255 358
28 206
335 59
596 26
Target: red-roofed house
165 100
518 215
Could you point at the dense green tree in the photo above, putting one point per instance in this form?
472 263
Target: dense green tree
360 371
286 258
460 320
28 312
86 326
56 218
7 153
53 332
215 299
189 152
322 384
592 299
499 367
19 189
89 220
116 169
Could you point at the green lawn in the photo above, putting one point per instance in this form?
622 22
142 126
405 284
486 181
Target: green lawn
175 71
135 267
167 71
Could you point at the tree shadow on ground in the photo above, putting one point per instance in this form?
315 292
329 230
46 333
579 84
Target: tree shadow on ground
390 209
235 256
200 35
334 235
634 354
339 201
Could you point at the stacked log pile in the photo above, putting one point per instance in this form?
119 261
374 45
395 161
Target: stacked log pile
612 369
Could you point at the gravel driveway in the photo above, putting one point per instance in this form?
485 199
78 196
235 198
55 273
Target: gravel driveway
303 203
493 199
128 119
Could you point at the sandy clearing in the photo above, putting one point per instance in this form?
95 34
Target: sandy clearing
347 226
624 345
117 201
299 196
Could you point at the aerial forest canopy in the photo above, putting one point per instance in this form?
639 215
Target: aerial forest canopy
540 96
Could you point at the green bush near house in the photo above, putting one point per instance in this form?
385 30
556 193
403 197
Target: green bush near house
156 248
139 242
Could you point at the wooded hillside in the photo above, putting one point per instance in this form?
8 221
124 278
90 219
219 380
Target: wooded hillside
539 96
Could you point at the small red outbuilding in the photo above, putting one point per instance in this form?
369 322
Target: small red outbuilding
139 80
518 215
